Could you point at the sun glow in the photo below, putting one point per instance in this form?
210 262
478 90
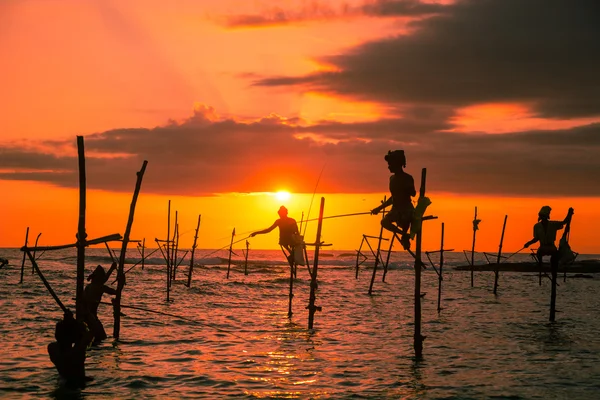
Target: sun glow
282 195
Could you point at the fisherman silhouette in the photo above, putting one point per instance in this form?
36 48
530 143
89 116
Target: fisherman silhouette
288 231
92 295
68 352
545 231
402 188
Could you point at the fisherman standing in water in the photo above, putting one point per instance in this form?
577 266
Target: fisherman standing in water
544 231
92 295
402 188
288 232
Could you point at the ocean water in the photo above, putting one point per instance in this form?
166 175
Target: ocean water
237 341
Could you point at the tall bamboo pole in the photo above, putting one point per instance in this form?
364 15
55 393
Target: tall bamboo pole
378 252
312 308
473 246
230 251
81 234
120 270
24 254
440 277
189 282
496 272
387 259
418 338
167 258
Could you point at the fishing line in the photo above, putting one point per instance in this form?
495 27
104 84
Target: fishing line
180 317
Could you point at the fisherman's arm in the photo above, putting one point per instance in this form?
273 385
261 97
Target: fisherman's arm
383 205
269 229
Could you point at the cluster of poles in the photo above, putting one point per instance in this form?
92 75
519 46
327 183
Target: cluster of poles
173 256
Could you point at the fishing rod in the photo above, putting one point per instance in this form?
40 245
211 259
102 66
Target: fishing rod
518 251
224 247
180 317
312 198
340 216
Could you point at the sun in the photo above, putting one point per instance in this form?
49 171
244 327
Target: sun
282 195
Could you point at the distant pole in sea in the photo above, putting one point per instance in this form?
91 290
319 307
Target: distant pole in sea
24 254
440 276
174 247
378 254
473 246
312 308
418 338
121 268
496 272
167 258
230 251
81 234
191 271
143 252
246 258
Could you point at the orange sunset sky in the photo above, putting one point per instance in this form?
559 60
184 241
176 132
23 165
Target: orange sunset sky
231 101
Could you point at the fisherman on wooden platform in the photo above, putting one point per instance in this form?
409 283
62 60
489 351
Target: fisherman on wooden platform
92 295
68 352
289 235
545 231
402 188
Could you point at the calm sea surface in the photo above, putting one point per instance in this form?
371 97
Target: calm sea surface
240 343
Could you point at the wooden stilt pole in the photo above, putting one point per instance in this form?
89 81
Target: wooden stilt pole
246 258
358 253
121 267
312 308
418 338
24 255
387 259
496 272
143 253
230 252
189 282
44 281
174 248
36 245
81 234
290 260
473 246
440 277
168 257
378 253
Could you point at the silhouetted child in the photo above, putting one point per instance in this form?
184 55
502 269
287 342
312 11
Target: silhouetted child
288 231
92 295
402 188
68 352
545 231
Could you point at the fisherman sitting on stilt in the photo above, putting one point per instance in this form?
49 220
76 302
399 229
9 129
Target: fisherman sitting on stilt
289 236
402 188
92 295
545 232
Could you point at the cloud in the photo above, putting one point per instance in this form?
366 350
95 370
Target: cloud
207 154
320 11
543 53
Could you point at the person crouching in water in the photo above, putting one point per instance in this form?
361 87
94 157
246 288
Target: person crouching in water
92 295
544 231
288 232
402 188
68 352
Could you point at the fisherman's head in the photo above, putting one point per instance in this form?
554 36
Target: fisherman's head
396 160
544 213
283 212
98 276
